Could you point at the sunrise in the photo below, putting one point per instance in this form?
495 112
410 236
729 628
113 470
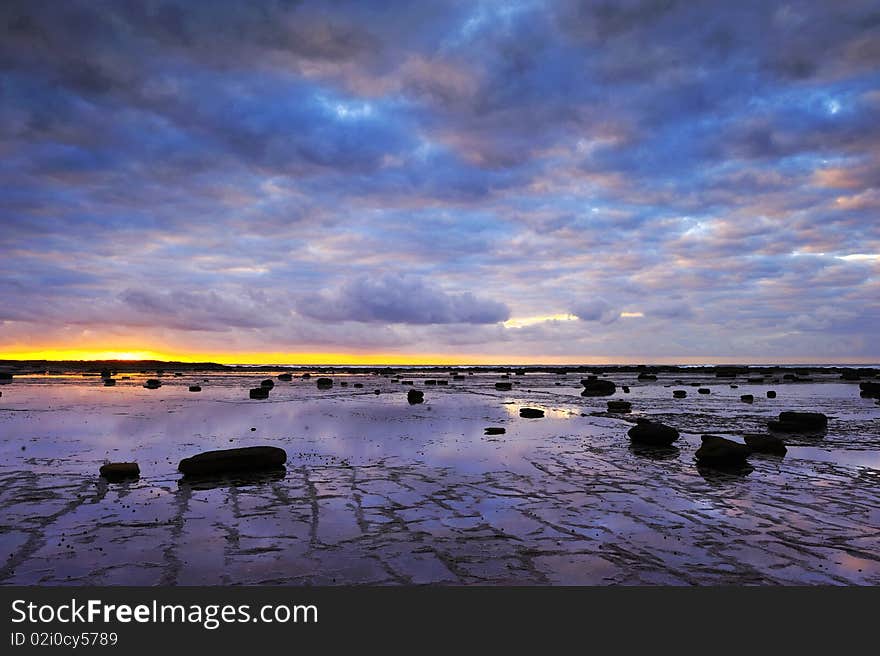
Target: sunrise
520 294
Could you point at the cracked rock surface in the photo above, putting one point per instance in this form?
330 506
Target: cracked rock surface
378 491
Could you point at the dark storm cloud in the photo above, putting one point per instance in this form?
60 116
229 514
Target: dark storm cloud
445 166
400 299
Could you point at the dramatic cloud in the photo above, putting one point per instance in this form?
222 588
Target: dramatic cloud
357 177
400 299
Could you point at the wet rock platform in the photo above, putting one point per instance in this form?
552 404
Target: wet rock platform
378 491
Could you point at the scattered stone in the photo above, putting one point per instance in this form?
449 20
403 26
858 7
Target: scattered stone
285 377
679 394
195 388
597 387
324 383
118 471
358 385
870 390
504 386
799 422
445 382
407 382
306 376
259 393
344 383
771 394
106 373
109 382
252 458
719 451
647 376
747 398
5 377
653 433
430 382
153 383
531 413
625 389
494 430
268 383
733 386
415 396
619 406
766 444
704 390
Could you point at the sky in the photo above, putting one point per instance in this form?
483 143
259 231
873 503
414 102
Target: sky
650 181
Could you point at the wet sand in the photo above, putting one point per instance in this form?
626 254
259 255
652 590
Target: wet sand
378 491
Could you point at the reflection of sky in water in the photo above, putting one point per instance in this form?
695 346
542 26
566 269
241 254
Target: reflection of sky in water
78 422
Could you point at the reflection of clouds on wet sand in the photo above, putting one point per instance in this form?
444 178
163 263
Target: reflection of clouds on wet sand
378 491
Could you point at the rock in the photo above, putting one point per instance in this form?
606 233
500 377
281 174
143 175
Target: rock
625 389
358 385
324 383
259 393
719 451
771 394
733 386
285 377
195 388
619 406
766 444
870 390
747 398
504 386
415 396
153 383
799 422
377 391
268 383
109 382
646 376
679 394
531 413
406 382
430 382
443 382
653 433
106 373
344 383
306 376
117 471
494 430
704 390
598 387
252 458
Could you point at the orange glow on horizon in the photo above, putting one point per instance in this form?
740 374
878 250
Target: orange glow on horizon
353 358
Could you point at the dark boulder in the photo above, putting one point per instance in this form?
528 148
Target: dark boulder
652 433
259 393
106 373
195 388
747 398
531 413
619 406
625 389
430 382
679 394
285 377
324 383
415 396
443 382
719 451
5 377
646 376
504 386
799 422
704 390
153 383
109 382
494 430
771 394
598 387
118 471
870 390
306 376
359 385
252 458
268 383
766 444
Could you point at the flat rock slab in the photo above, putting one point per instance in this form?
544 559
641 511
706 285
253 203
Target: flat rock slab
252 458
